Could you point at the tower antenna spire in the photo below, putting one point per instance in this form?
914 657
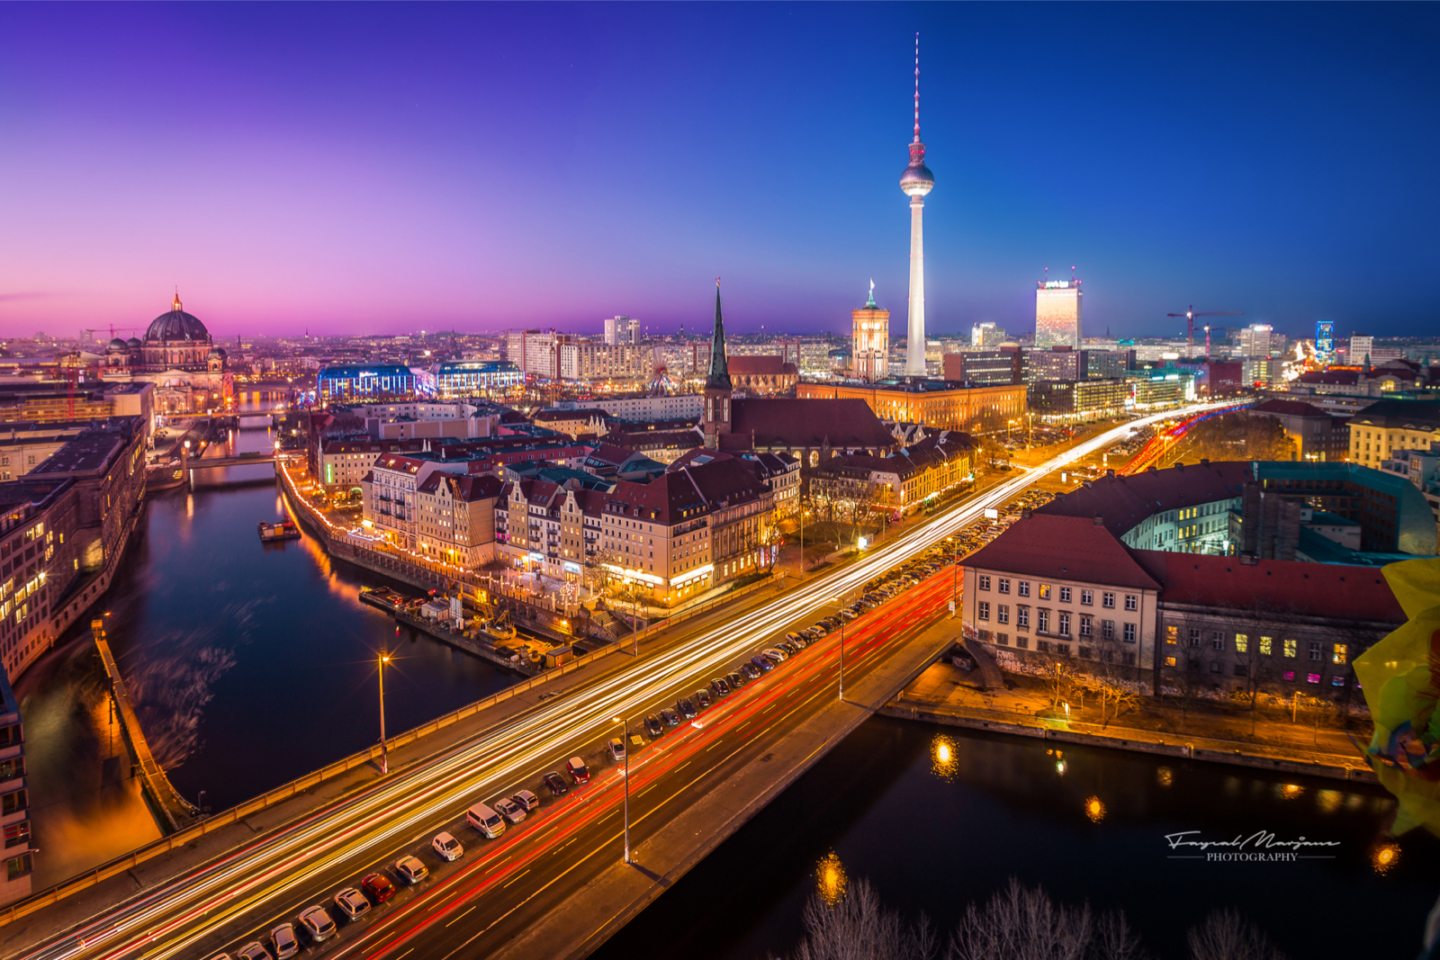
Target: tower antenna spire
917 87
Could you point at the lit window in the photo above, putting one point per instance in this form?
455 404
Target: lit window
1289 647
1242 643
1266 644
1172 635
1312 678
1340 654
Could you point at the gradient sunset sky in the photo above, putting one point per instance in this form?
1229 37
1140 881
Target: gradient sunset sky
378 168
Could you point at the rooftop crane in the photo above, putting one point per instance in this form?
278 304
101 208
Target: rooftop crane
1190 314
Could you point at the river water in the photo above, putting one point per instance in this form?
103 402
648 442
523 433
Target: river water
250 665
932 836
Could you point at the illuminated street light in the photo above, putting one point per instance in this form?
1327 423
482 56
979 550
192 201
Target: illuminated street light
384 747
626 743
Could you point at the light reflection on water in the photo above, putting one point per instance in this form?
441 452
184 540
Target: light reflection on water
250 664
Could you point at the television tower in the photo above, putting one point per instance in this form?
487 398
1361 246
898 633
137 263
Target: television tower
915 183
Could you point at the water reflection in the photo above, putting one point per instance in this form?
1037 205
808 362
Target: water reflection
943 762
830 879
1385 857
1165 777
1094 809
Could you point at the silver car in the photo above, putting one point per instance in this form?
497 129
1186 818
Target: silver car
284 940
317 923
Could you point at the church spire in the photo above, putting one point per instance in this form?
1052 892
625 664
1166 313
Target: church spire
175 304
719 377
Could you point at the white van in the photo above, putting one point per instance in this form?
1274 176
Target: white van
486 820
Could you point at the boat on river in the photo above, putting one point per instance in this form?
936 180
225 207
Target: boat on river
281 530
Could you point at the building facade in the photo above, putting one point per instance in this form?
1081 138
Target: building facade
1057 313
1384 430
870 340
938 405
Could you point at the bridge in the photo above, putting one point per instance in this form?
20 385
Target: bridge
238 460
604 850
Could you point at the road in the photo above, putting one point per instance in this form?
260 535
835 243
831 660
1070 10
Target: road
275 875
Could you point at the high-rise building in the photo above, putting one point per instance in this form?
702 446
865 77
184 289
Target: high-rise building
1362 351
1256 340
916 182
622 329
986 335
1057 313
870 340
1324 341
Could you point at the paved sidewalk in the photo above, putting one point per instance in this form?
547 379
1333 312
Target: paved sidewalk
946 694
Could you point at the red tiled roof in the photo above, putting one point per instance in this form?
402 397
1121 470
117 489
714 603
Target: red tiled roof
1273 586
760 365
1063 548
668 499
466 487
1125 502
794 422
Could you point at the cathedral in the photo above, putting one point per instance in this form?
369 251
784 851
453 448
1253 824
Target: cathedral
179 357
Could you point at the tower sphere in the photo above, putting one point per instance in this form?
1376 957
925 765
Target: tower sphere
917 180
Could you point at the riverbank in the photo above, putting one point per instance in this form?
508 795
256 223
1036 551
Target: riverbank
944 695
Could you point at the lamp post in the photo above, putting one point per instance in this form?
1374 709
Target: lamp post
955 581
626 816
384 747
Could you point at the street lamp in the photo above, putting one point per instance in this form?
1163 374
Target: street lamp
841 600
384 747
626 743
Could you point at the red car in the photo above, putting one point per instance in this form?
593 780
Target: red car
377 887
576 768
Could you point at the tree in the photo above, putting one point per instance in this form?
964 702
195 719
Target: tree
1022 923
859 927
1225 935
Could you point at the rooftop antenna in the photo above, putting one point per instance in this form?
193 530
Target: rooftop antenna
917 87
1072 273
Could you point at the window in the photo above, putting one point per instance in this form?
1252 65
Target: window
1172 635
1023 588
1288 645
1288 676
1087 598
1132 602
1107 629
17 867
1217 641
982 610
1107 600
1193 636
1169 661
1214 666
1086 622
1003 639
1312 678
1042 645
1340 654
1337 681
1022 642
1022 618
17 833
1129 633
1064 624
1085 653
1002 584
1042 620
13 801
1266 645
1044 591
1002 613
1239 669
984 583
1064 594
1242 643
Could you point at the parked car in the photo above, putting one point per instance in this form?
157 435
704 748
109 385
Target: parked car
720 686
749 671
411 870
446 846
483 817
762 663
685 708
736 680
254 950
527 800
793 635
654 727
671 718
577 770
616 749
774 654
556 784
317 924
787 648
352 903
799 643
284 940
509 809
702 699
377 887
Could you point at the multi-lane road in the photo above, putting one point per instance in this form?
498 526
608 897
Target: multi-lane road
501 885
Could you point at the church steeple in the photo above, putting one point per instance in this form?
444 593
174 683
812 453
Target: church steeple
716 419
719 366
175 304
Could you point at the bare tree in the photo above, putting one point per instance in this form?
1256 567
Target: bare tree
1020 923
1225 935
859 927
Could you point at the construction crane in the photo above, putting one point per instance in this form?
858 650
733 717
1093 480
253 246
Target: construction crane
1190 314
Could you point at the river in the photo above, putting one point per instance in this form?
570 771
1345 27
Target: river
931 836
250 665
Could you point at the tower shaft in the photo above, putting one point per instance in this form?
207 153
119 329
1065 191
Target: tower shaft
915 332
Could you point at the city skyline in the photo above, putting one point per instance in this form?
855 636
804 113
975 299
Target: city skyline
287 185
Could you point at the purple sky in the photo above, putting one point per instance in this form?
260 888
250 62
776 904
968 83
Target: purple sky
378 168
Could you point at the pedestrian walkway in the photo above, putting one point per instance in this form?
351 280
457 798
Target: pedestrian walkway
945 694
